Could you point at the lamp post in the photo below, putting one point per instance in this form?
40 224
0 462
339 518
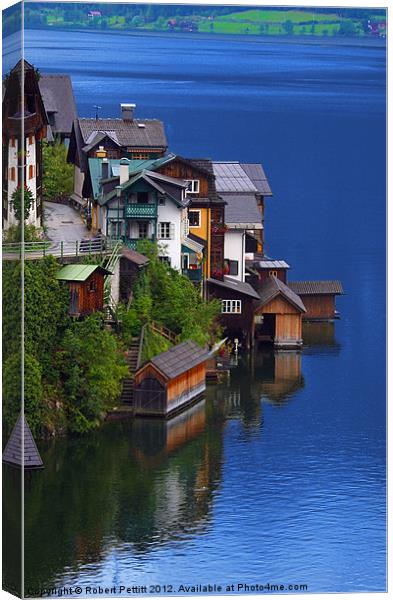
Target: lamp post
118 194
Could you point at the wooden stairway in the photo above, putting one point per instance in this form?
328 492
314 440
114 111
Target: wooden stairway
127 394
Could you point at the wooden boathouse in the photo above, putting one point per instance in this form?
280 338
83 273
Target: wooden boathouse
171 380
86 285
278 318
319 298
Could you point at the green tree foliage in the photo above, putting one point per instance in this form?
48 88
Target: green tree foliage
33 392
58 175
166 296
22 203
46 306
347 28
288 26
92 367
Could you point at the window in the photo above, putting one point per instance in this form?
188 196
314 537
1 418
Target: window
165 259
166 231
12 142
142 230
142 197
138 155
12 176
231 267
193 186
231 306
161 200
185 261
31 171
116 229
92 286
194 218
272 273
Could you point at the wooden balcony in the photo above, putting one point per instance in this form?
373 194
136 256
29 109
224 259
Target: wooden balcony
140 211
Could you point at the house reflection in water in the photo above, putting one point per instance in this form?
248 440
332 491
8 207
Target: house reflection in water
278 375
145 483
320 338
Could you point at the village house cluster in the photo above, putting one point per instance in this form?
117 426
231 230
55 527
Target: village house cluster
206 216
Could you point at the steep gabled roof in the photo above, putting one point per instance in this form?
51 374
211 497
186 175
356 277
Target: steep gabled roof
164 185
13 451
58 97
311 288
180 359
273 287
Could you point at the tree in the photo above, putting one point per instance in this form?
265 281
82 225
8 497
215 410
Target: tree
33 391
347 28
22 204
164 295
58 175
92 367
288 26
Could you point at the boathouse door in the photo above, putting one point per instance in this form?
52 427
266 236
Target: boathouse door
265 327
74 301
150 397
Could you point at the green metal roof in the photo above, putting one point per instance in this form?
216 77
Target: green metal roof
76 272
134 167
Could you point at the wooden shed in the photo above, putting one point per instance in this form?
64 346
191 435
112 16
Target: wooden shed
319 298
12 454
171 380
86 285
278 318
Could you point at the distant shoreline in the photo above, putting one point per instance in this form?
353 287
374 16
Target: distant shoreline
363 41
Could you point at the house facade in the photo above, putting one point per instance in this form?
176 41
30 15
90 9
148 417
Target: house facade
125 137
22 157
141 204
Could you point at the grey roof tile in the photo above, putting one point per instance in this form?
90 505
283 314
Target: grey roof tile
310 288
128 133
235 286
242 208
180 359
258 176
13 451
58 98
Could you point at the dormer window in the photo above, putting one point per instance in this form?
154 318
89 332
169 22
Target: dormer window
192 186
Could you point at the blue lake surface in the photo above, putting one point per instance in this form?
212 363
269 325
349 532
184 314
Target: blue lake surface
279 477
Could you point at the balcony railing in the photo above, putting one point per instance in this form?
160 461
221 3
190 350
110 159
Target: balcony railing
140 211
133 242
193 274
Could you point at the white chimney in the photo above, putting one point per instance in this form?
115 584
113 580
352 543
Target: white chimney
124 172
127 111
104 168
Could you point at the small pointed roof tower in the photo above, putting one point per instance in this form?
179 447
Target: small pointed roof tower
13 450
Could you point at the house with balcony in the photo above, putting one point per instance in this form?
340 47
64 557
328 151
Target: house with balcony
128 137
134 205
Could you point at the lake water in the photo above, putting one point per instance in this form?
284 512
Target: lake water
279 476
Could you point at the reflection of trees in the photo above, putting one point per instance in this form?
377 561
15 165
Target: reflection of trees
143 482
12 532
